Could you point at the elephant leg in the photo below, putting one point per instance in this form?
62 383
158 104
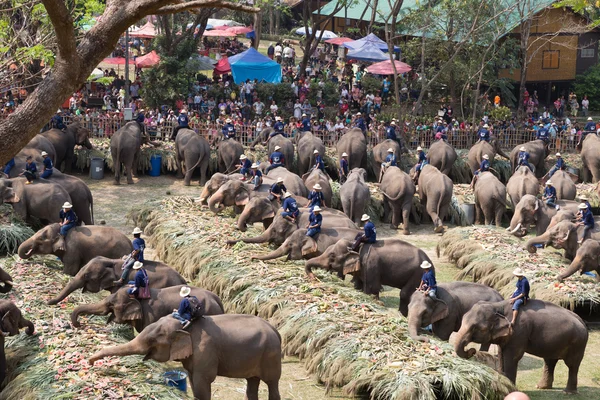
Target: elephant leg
405 294
405 219
201 386
117 167
478 213
133 170
2 360
510 361
273 390
204 169
252 388
499 214
547 374
386 211
178 165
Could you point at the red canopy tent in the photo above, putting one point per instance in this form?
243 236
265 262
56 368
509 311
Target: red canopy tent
147 31
220 33
114 60
148 60
385 68
239 30
222 66
339 40
221 28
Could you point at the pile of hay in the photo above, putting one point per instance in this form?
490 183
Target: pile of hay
489 256
13 230
346 339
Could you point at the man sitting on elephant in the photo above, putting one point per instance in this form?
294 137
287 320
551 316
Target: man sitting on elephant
360 123
278 129
68 220
30 171
140 120
550 195
190 307
344 168
369 236
560 165
421 162
521 294
316 197
57 121
484 133
390 132
140 286
244 166
48 166
390 161
319 164
315 220
290 207
137 255
8 167
524 158
256 176
182 123
228 129
305 123
277 190
428 283
542 133
485 165
586 218
276 159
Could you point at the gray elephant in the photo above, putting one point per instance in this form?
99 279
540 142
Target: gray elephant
191 151
307 143
442 155
480 148
531 210
81 195
34 149
435 193
390 262
214 183
292 182
11 322
212 346
542 329
125 148
64 143
282 228
354 144
380 152
261 209
82 243
446 311
234 193
490 199
564 185
398 191
299 246
590 158
586 259
287 146
563 235
228 155
6 282
538 152
42 200
562 215
139 313
522 182
100 273
355 194
320 177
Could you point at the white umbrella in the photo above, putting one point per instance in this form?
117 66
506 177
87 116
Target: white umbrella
96 74
326 34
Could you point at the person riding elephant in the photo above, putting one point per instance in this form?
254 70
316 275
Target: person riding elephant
483 134
398 190
292 182
355 194
490 199
421 162
307 143
318 163
531 210
10 324
125 149
228 154
585 261
390 262
68 221
278 129
82 244
564 185
191 151
34 148
101 272
543 329
244 166
531 154
139 287
353 143
586 220
137 255
560 165
522 182
549 195
321 193
30 171
380 152
276 159
76 134
139 313
444 313
590 158
368 236
435 193
182 123
343 170
390 161
290 207
476 152
442 155
57 121
48 166
315 221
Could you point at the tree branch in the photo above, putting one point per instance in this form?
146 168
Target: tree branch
191 5
63 26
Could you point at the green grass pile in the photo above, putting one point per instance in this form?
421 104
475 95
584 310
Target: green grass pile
13 230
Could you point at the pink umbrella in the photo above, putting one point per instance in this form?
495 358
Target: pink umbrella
222 66
114 60
385 68
239 30
339 40
219 33
221 28
148 60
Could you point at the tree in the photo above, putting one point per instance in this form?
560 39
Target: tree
77 55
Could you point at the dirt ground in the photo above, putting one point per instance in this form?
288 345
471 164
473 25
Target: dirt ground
113 202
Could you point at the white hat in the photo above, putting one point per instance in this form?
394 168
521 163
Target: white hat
486 126
582 206
137 231
243 157
557 154
365 217
390 150
316 151
549 183
583 197
393 123
278 118
255 165
137 265
185 291
280 180
522 148
184 111
58 111
590 119
317 208
486 157
228 120
344 154
277 148
358 113
540 124
425 265
67 205
518 272
317 187
44 153
304 115
419 148
286 195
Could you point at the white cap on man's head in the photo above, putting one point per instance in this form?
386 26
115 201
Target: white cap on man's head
243 157
280 180
316 209
486 157
44 153
317 187
277 148
344 154
136 231
419 148
365 217
137 265
425 265
390 150
316 151
522 148
185 291
67 205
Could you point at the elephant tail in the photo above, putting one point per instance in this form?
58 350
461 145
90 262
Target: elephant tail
91 200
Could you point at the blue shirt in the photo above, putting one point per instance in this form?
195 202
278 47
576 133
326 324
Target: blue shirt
315 220
523 158
228 131
31 167
550 191
484 134
319 162
590 126
246 163
290 205
390 133
316 198
140 278
370 232
256 172
278 188
185 307
69 216
344 165
588 218
522 288
560 163
542 133
306 124
485 165
391 158
422 156
140 245
277 158
429 279
182 120
57 120
47 163
360 123
140 118
278 127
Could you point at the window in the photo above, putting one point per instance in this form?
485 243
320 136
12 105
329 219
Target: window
590 52
550 59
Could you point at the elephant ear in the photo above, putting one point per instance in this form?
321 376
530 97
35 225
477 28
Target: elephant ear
268 212
502 331
310 246
9 324
439 312
181 345
132 311
242 198
351 263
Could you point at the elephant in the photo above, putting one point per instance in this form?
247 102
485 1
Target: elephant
586 259
355 194
307 143
354 144
398 191
562 215
562 235
522 182
100 273
140 313
10 324
435 193
261 209
480 148
538 152
218 179
531 210
298 246
564 185
34 149
445 313
292 182
125 148
442 155
6 283
287 149
82 243
212 346
282 228
191 151
390 262
42 200
380 152
590 158
228 155
235 193
320 177
490 199
542 329
64 143
81 195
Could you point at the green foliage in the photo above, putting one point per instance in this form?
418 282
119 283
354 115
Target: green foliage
501 113
588 85
281 93
370 84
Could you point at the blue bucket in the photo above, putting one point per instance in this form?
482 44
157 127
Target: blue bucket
155 164
176 379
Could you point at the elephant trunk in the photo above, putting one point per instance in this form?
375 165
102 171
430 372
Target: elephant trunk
214 203
6 280
243 219
283 250
313 263
27 324
531 243
136 346
69 288
88 145
206 192
462 340
414 323
575 266
26 249
264 237
100 308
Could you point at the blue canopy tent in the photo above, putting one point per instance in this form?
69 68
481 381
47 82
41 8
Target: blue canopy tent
371 38
368 52
252 65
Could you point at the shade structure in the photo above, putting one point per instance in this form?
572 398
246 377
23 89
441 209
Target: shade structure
368 52
385 68
326 34
148 31
114 60
370 38
222 22
221 27
96 74
252 65
222 66
148 60
201 63
339 40
218 33
239 30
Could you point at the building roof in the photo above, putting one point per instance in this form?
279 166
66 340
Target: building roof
356 9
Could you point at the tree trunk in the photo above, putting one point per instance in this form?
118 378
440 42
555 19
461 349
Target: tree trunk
257 29
525 31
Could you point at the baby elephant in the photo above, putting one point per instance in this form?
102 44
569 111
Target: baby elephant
11 321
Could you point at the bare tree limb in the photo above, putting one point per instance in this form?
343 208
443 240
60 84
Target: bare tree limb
195 4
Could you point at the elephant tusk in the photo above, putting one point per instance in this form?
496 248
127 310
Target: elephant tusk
567 235
5 334
218 205
537 205
201 199
517 228
8 283
508 229
29 252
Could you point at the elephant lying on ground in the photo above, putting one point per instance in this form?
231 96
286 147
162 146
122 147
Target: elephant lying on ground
299 246
234 193
6 283
542 329
522 182
101 273
445 314
212 346
82 243
10 324
355 194
34 149
442 155
191 151
564 185
41 200
586 259
563 235
435 193
141 313
398 191
390 262
490 199
532 210
64 143
537 154
261 209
